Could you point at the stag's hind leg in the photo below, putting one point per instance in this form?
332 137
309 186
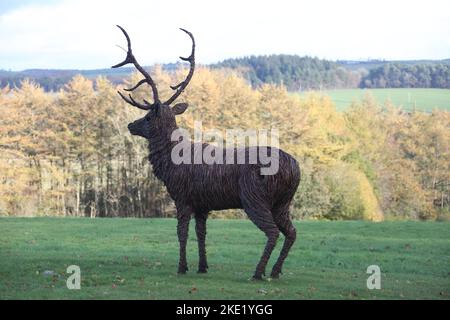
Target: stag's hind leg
200 229
254 202
263 220
286 227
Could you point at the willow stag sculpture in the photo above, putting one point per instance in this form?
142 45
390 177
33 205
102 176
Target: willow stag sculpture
197 189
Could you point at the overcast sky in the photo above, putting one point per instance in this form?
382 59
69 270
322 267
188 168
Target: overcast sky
81 34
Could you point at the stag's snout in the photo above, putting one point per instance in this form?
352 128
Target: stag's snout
139 128
131 128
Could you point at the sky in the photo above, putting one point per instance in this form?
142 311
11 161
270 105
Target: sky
81 34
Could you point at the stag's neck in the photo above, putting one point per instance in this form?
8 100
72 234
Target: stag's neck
160 147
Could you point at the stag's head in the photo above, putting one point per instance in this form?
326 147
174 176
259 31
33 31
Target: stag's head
159 115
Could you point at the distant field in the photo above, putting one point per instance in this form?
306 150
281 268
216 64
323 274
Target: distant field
408 99
137 259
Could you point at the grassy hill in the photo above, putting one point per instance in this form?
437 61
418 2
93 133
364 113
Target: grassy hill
408 98
137 259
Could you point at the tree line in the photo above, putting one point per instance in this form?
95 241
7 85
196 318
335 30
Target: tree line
69 152
408 76
307 73
294 72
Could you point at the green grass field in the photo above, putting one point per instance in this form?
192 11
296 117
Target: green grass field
421 99
137 259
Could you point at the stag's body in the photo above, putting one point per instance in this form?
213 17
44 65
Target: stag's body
197 189
220 186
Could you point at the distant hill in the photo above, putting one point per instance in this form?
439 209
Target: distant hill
55 79
295 72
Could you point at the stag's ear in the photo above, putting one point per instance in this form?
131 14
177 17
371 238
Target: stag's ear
179 108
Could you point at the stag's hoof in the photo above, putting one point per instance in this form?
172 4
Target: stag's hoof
203 267
275 275
182 269
257 277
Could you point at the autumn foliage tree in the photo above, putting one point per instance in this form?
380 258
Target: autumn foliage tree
69 152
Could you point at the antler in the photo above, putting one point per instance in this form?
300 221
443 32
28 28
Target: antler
147 78
182 85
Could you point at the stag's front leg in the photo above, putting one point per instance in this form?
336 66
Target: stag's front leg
183 216
200 229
